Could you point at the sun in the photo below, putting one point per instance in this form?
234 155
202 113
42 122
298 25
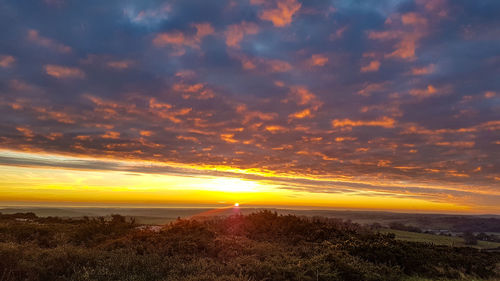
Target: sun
236 204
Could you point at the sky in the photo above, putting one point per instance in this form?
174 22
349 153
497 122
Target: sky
387 105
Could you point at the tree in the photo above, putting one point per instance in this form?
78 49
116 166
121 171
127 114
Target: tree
469 238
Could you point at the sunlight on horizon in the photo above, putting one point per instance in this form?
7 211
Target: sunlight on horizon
56 184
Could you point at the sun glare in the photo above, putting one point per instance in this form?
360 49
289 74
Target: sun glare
236 204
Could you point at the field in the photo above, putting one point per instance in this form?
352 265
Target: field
451 241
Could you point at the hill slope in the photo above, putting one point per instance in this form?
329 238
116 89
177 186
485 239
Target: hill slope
258 246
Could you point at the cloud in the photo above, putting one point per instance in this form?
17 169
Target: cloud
306 113
120 64
148 17
197 91
35 37
318 60
50 114
302 96
385 122
425 70
170 38
424 93
179 40
236 32
202 29
282 15
407 30
27 132
437 7
111 135
276 129
466 144
63 72
249 115
370 88
413 19
372 66
261 64
6 61
228 138
489 94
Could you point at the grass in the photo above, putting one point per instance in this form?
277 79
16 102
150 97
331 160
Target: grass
438 239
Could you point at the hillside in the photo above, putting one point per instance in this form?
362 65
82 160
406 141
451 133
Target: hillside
257 246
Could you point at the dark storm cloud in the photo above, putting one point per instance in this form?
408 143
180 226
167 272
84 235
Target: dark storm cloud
380 91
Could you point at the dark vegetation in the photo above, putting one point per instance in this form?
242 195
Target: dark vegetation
400 226
258 246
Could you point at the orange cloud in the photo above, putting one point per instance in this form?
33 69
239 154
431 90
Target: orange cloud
372 66
193 139
26 132
338 33
275 129
279 83
111 135
318 60
247 63
20 85
185 74
54 136
166 111
197 91
405 49
179 40
187 88
408 40
169 38
302 96
248 115
154 104
341 139
262 64
424 93
228 138
59 116
370 88
489 94
122 64
236 32
467 144
385 122
437 7
82 138
282 15
413 19
202 30
34 37
383 35
6 61
306 113
61 72
146 133
423 70
277 65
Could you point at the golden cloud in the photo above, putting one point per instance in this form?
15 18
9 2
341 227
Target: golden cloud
385 122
